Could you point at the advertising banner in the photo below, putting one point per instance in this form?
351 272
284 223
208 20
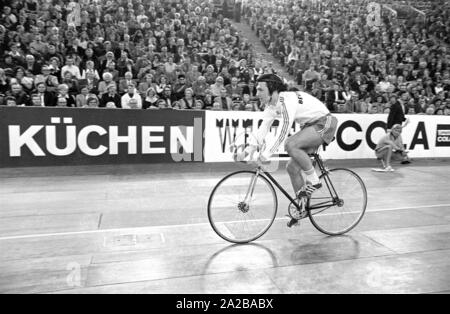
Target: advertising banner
66 136
356 137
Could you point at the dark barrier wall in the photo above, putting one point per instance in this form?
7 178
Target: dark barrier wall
65 136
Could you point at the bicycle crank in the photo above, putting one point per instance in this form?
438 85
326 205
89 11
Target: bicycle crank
295 214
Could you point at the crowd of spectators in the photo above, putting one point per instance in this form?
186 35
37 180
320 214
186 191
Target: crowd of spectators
336 53
129 54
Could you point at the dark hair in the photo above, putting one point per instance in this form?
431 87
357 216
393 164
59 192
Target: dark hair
274 83
91 99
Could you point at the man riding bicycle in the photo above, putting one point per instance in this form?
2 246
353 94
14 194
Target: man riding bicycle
317 125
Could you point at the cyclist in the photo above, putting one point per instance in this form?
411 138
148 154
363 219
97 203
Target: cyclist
317 125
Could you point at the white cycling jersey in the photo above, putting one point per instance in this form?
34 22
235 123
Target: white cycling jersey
291 106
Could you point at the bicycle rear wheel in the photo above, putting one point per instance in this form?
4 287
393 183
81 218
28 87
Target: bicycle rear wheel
242 207
343 202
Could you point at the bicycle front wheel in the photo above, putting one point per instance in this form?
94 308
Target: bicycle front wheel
242 207
340 204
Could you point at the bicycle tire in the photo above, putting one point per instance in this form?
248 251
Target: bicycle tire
212 217
319 220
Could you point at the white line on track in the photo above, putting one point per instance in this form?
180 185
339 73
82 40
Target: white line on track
128 230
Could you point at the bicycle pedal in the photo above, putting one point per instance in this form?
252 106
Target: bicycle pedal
293 223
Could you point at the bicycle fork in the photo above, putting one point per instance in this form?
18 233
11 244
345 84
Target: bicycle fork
250 190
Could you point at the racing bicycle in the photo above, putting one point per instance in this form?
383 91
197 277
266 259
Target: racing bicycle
243 205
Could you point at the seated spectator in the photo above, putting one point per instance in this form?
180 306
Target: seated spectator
177 105
70 82
82 98
32 65
112 69
200 86
92 102
251 103
131 99
36 100
151 99
373 109
188 101
335 97
63 93
447 111
11 101
422 106
216 106
51 81
180 87
210 75
430 110
4 84
107 81
310 76
109 60
193 74
237 104
146 84
20 97
61 102
379 102
27 84
162 84
168 96
216 88
111 99
8 62
127 81
208 99
124 64
71 68
90 82
53 54
170 66
162 104
250 89
324 86
144 69
224 101
20 73
90 68
199 105
343 108
234 90
47 98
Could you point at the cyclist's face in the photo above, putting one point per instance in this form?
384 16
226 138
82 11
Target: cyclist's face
262 92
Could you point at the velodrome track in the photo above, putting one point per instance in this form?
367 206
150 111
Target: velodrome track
144 229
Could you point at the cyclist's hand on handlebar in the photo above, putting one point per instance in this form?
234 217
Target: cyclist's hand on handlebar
246 155
263 159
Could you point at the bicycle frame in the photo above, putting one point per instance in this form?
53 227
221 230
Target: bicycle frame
324 205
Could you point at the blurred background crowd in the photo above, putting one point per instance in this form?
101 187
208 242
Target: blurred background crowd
157 54
355 61
124 54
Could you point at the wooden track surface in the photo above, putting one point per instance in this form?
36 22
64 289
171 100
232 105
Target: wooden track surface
144 229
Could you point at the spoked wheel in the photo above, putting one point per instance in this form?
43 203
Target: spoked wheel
343 202
242 207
